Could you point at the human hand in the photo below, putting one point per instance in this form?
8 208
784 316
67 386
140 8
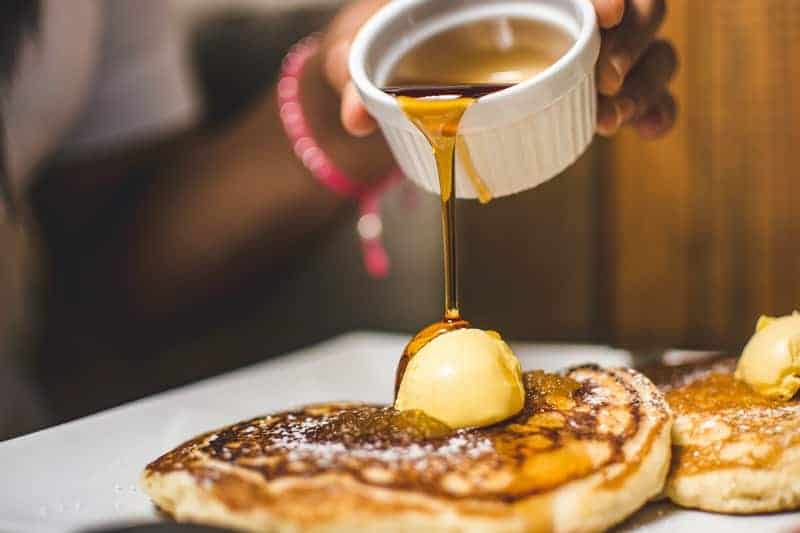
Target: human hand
336 49
633 69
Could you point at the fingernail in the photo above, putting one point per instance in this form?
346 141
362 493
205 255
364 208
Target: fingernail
603 131
606 121
608 83
626 108
362 130
354 117
651 124
622 64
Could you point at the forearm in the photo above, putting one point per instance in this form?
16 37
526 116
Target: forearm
222 207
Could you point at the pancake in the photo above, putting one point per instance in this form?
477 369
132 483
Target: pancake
734 451
588 449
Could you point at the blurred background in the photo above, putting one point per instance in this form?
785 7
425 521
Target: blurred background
677 243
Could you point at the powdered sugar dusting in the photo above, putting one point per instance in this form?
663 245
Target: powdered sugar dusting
300 442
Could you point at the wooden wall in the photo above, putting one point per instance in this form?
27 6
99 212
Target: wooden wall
701 231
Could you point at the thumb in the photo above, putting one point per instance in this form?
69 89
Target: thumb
355 117
609 12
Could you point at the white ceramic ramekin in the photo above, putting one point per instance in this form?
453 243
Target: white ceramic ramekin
517 138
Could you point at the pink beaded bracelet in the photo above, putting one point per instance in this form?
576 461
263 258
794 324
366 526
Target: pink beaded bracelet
322 167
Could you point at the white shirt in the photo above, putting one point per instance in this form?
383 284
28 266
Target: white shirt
99 74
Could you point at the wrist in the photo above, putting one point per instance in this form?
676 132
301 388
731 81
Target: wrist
309 112
364 160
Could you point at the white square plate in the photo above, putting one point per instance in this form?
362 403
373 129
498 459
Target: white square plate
85 473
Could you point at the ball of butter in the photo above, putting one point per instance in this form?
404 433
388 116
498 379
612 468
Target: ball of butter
770 362
465 378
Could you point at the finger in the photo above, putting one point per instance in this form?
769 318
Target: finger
645 84
659 119
355 118
335 66
624 45
612 113
609 12
351 18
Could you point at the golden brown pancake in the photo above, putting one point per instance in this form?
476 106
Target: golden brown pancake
734 450
587 450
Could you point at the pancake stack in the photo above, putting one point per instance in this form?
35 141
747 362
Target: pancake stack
734 450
